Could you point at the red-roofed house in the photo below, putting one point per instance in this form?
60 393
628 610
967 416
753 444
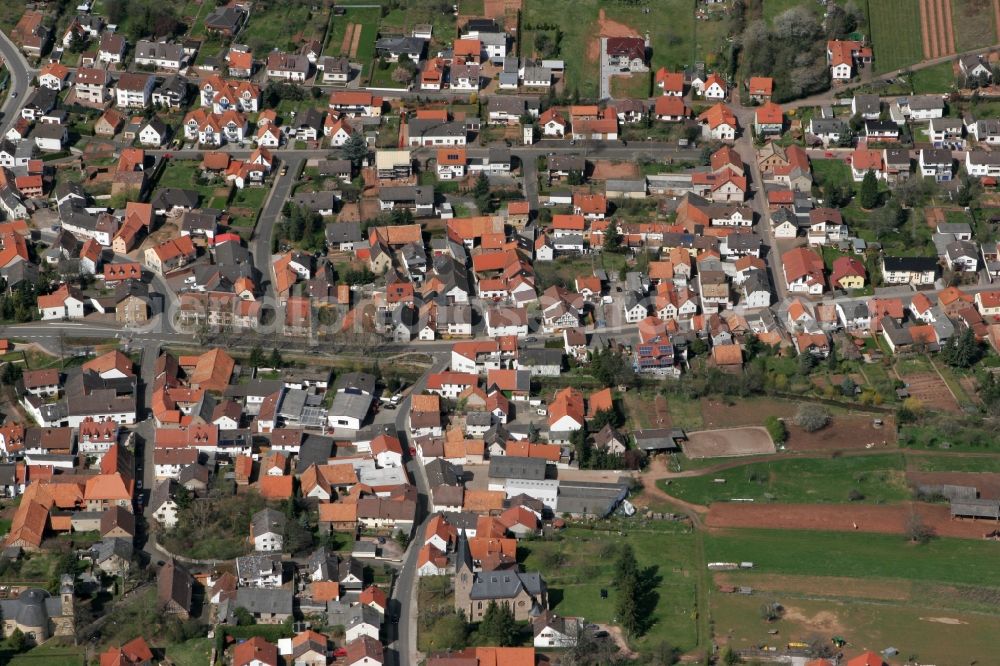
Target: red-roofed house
847 273
671 83
803 271
760 88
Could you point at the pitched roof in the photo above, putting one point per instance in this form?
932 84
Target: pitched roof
255 649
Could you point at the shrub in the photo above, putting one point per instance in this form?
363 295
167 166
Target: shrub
776 429
812 417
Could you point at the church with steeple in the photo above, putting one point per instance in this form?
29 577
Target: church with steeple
524 593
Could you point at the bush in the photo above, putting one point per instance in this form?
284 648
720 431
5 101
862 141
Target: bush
776 429
855 495
812 417
772 611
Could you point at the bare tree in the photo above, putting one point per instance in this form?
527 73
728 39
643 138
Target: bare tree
917 531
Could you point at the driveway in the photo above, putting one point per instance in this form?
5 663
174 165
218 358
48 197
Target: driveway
606 70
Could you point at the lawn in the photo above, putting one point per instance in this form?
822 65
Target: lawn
974 24
10 14
635 86
922 627
195 652
774 7
52 653
247 203
580 563
183 174
812 553
676 38
949 463
936 79
913 238
895 33
368 18
283 26
878 479
404 18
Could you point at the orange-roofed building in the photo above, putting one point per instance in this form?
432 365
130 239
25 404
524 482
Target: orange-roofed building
866 659
275 487
324 590
566 412
727 357
865 159
671 83
769 119
134 653
338 516
599 402
760 88
484 501
256 651
591 206
719 123
374 597
508 656
468 49
803 270
112 365
426 403
210 371
671 109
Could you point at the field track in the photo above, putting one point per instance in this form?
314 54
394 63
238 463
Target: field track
925 29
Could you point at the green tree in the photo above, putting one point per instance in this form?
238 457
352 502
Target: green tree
244 618
776 429
968 191
498 626
848 388
962 351
450 632
627 582
276 361
18 641
868 196
582 447
612 238
256 356
481 187
355 149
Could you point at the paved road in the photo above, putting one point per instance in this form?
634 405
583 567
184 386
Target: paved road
20 78
262 234
402 637
529 173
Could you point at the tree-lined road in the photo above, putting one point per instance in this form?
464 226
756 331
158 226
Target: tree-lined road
20 78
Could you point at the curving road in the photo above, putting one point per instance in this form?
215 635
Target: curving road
20 78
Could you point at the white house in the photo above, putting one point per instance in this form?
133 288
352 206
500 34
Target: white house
267 528
64 303
501 321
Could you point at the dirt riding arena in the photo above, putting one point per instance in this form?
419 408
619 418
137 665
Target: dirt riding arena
931 390
845 433
844 518
607 28
607 170
987 483
936 28
728 443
